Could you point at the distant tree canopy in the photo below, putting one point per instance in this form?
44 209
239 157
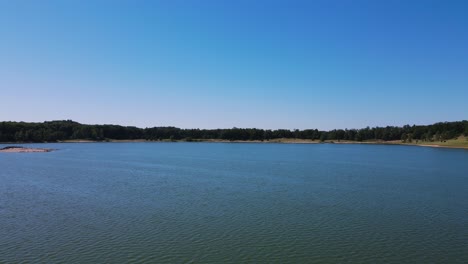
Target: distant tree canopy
53 131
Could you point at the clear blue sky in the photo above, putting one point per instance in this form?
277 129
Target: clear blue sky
209 64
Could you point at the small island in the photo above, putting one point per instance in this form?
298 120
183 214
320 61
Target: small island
19 149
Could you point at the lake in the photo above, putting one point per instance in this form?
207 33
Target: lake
234 203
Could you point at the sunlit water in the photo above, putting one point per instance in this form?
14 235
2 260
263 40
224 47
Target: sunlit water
220 203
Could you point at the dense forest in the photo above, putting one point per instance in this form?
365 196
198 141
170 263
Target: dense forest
53 131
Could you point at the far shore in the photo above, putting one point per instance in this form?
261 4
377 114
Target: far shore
460 143
423 144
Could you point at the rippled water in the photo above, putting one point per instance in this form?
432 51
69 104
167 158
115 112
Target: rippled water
219 203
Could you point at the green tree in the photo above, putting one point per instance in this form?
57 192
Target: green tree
323 137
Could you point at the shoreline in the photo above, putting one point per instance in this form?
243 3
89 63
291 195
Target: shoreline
405 144
273 141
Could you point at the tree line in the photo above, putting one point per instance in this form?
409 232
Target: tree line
53 131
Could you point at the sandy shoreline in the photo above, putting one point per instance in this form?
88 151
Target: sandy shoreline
400 144
277 141
307 141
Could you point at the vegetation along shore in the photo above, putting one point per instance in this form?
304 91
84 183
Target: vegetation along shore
443 134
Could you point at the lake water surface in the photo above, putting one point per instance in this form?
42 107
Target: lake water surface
234 203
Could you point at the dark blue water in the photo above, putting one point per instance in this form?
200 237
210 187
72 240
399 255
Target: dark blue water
220 203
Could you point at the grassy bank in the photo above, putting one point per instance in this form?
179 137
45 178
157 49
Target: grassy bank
460 142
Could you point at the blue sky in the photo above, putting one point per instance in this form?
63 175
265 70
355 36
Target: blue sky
220 64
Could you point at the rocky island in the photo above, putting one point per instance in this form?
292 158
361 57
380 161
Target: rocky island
19 149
